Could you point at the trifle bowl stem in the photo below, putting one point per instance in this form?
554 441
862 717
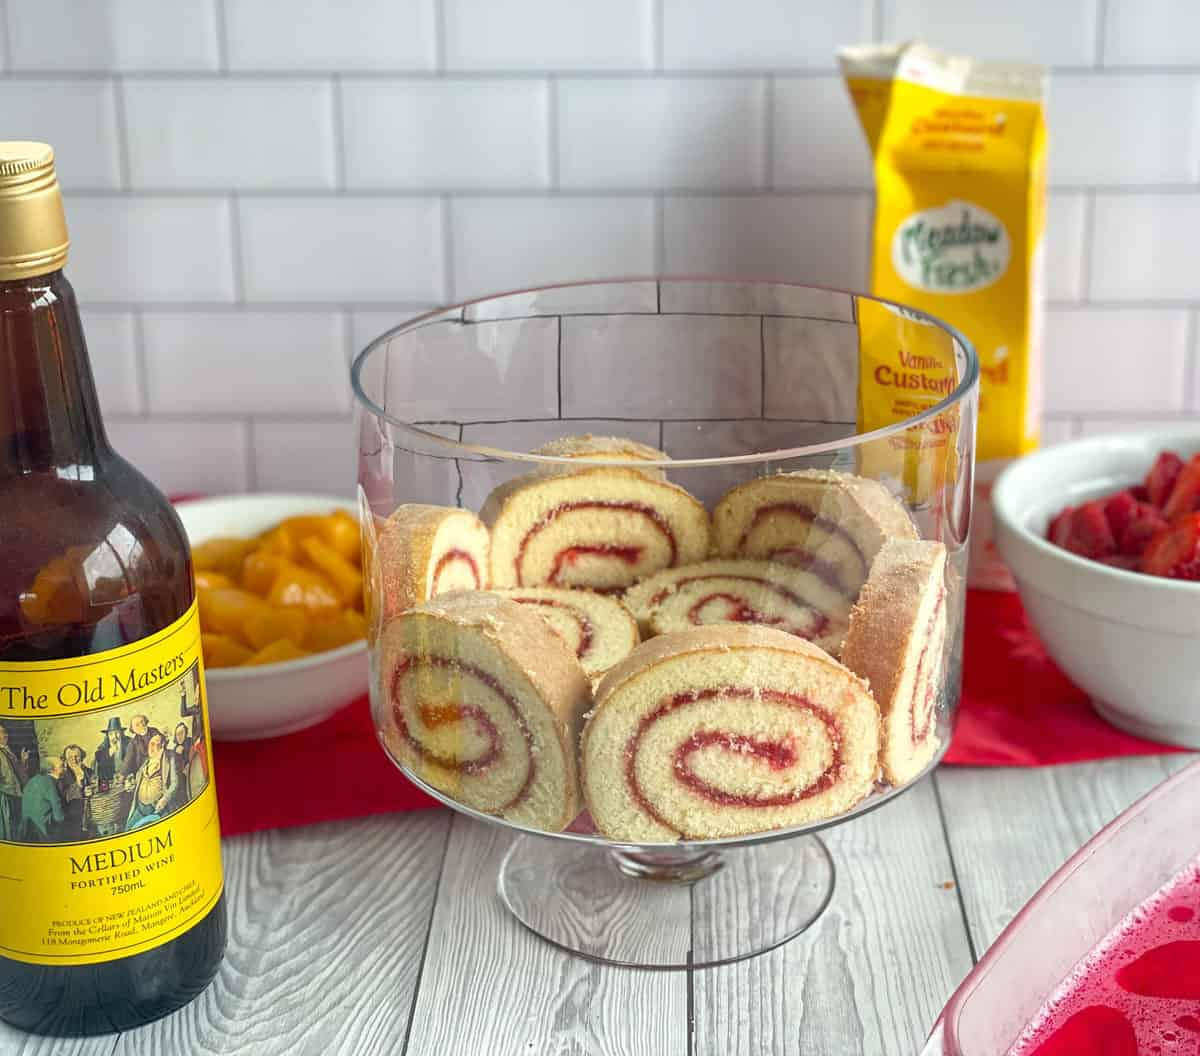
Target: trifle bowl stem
668 909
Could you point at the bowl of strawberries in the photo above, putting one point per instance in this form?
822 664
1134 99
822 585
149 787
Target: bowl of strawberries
1103 538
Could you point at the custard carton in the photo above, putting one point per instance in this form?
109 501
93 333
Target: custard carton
959 150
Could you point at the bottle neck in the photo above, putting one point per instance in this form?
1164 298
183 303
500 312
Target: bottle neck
49 414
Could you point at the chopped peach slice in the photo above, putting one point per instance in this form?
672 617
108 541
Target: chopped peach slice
303 526
303 587
330 633
275 653
223 554
279 540
271 625
206 579
344 575
342 533
222 651
226 610
259 570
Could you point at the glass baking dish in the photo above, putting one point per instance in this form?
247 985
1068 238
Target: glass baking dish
1121 866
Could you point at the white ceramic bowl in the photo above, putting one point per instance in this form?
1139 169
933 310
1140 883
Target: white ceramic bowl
1131 641
266 701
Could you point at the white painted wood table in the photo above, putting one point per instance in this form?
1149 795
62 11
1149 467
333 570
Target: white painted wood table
385 936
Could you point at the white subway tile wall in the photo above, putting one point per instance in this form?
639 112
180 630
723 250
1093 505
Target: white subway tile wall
80 115
113 348
294 359
762 34
351 35
1124 129
661 133
103 35
1132 358
507 243
256 189
522 35
490 133
1062 32
234 132
818 140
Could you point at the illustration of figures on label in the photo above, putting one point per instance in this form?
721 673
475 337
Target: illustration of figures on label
72 778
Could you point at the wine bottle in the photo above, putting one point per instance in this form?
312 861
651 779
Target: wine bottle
111 904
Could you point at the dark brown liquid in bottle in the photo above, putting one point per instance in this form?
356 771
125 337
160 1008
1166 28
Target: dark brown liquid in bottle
121 572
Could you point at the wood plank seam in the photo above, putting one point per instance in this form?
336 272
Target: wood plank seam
412 1011
958 890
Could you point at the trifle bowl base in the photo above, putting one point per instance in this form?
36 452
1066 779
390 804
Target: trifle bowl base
668 908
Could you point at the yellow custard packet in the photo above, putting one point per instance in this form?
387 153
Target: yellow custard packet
959 150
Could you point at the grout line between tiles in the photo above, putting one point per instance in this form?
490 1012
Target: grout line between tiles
448 283
124 146
251 460
414 308
439 37
350 352
222 27
1191 360
658 235
762 366
6 33
1182 72
235 249
657 24
552 135
782 191
768 152
1101 32
1085 248
339 133
141 363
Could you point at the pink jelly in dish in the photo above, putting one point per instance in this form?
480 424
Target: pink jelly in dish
1110 945
1138 991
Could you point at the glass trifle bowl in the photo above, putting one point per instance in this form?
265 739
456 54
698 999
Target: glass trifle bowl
665 576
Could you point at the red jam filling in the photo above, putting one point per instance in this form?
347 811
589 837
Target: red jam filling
921 719
586 631
620 552
444 712
569 557
745 613
776 755
799 555
737 610
448 558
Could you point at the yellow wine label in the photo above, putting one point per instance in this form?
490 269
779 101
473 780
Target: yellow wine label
109 837
959 156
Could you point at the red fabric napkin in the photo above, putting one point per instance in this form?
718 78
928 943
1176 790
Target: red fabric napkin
1017 709
334 770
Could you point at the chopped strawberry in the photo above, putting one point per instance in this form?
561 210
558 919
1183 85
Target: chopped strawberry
1185 495
1175 551
1140 492
1144 526
1162 476
1120 510
1059 532
1090 534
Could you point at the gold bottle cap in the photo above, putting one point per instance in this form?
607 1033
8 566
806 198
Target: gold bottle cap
33 226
